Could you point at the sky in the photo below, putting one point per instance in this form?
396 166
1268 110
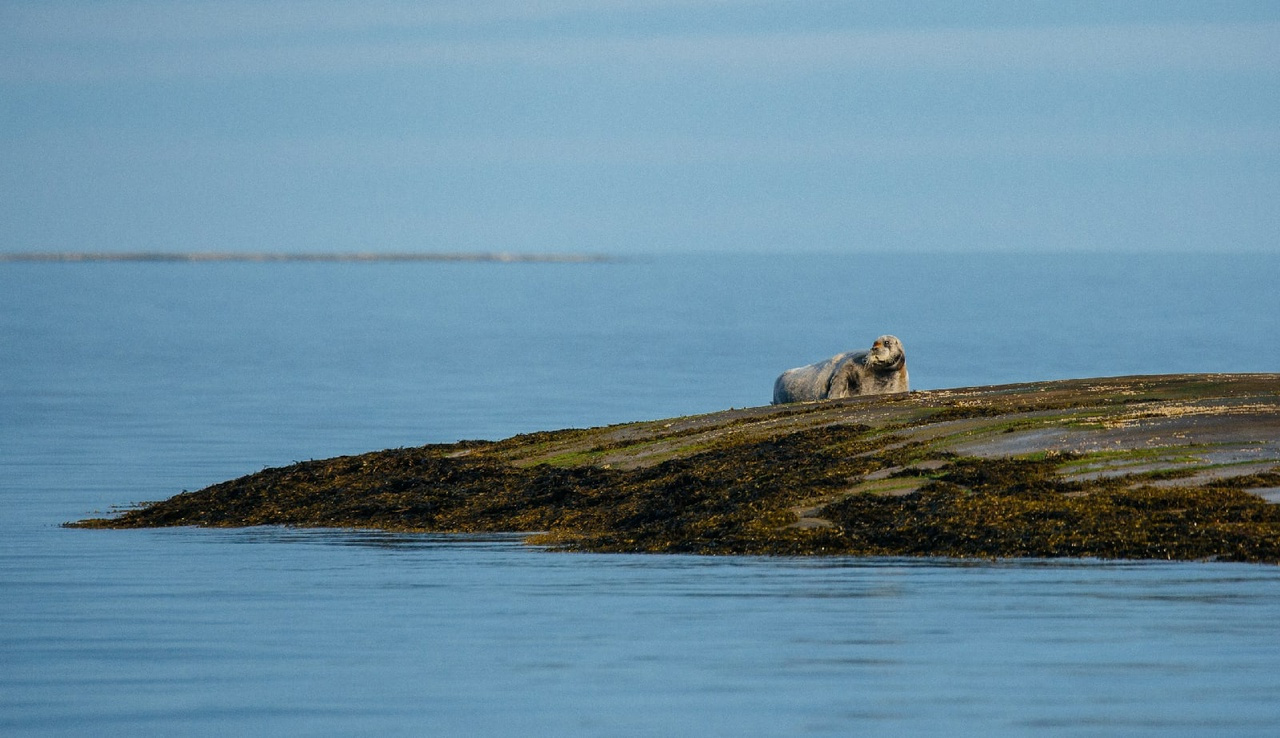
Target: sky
640 126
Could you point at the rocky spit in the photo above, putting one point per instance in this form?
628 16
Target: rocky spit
1147 467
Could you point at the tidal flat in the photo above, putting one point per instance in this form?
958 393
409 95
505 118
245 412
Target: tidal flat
1183 466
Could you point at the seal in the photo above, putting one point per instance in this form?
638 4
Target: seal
878 371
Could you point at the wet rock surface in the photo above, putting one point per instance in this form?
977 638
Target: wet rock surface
1170 467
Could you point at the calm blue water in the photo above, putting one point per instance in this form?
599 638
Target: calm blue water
129 382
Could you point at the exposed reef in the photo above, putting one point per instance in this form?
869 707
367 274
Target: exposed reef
1150 467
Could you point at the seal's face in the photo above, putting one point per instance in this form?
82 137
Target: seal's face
885 353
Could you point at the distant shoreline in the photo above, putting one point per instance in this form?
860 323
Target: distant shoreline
206 256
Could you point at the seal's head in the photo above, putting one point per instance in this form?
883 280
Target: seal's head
886 354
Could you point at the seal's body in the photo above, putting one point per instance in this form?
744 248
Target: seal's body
878 371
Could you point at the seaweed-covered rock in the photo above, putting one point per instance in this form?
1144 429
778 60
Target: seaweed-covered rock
1171 467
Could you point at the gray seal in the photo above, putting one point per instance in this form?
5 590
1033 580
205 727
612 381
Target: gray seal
879 371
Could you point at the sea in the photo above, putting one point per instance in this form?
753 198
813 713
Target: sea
124 382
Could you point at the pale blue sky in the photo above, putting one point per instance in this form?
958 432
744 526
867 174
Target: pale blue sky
639 126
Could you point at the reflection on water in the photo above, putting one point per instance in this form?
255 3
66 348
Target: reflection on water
373 538
279 630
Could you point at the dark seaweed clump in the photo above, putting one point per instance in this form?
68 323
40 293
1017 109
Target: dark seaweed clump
728 499
1020 508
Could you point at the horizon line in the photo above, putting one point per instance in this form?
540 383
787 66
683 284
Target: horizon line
267 256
